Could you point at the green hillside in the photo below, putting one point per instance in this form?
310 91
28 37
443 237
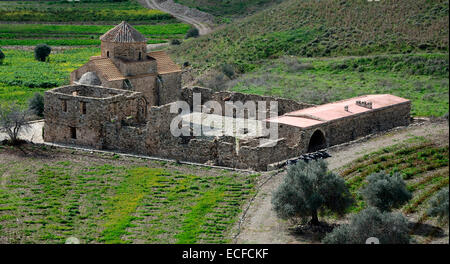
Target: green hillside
311 28
322 51
228 8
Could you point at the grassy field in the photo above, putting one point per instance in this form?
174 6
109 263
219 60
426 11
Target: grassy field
22 76
109 199
83 11
74 35
83 22
422 78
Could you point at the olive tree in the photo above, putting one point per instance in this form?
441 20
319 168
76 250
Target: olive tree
12 121
387 227
309 188
386 191
41 52
192 33
439 205
36 104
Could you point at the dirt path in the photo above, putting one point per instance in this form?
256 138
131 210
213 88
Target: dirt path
260 224
191 16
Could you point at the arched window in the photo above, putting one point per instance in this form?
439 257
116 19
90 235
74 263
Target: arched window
107 54
140 55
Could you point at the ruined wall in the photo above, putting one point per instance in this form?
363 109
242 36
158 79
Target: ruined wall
147 86
76 114
284 105
169 87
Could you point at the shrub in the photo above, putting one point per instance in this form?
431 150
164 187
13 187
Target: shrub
309 188
386 191
228 70
388 228
175 42
2 57
439 205
192 33
12 121
41 52
36 104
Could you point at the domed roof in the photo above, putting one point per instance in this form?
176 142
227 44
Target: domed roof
123 33
89 78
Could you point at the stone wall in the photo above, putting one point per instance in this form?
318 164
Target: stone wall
129 51
123 120
284 105
169 87
72 118
132 68
359 125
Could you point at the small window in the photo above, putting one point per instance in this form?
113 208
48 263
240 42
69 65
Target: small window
64 105
107 54
140 55
73 132
83 107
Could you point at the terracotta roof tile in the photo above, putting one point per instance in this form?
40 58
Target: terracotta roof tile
106 67
123 33
164 62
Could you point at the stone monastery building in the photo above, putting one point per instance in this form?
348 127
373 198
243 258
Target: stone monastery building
125 64
122 100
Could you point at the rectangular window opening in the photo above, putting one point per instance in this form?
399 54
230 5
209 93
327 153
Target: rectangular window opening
83 107
64 105
73 132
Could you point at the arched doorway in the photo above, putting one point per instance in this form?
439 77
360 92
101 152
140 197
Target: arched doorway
317 141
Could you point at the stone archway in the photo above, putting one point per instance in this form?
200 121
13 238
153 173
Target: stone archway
317 141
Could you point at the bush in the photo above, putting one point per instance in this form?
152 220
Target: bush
228 70
12 121
386 191
439 206
309 188
41 52
388 228
192 33
36 104
175 42
2 57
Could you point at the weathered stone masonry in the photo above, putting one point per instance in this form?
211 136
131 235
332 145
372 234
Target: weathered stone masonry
133 113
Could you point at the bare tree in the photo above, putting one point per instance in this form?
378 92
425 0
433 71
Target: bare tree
12 121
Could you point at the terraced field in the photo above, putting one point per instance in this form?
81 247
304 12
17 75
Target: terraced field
110 199
62 23
22 75
424 165
80 11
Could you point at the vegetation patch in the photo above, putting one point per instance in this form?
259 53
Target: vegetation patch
322 29
424 167
22 75
47 200
77 35
81 11
422 78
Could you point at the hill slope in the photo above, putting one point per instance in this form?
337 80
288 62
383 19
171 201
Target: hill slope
228 8
323 28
